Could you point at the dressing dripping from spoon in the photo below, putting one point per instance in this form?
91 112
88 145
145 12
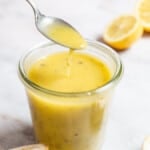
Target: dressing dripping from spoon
57 30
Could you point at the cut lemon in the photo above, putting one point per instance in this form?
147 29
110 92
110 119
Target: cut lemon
146 145
31 147
143 12
123 31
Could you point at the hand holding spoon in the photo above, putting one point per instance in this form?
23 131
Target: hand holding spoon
57 30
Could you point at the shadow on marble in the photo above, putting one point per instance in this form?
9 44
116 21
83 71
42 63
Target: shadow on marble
146 34
14 133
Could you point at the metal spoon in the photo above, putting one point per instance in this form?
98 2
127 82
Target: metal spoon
57 29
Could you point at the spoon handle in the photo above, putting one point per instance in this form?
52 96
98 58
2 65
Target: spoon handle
34 7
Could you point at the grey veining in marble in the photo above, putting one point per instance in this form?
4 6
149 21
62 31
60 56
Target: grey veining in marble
129 120
15 132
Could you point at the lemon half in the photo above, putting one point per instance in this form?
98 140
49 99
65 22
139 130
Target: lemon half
143 12
146 145
31 147
123 31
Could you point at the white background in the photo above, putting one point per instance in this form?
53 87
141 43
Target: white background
129 120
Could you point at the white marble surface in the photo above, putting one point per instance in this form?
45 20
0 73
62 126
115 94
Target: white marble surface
129 120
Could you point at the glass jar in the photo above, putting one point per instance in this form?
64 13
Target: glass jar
70 121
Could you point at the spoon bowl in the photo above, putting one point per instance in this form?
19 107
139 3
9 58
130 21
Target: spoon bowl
57 30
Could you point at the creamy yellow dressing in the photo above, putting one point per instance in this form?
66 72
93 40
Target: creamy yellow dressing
69 123
65 72
66 36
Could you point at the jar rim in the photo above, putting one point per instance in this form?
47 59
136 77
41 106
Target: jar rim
113 81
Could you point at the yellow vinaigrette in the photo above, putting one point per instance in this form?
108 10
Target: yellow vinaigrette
67 36
71 125
83 73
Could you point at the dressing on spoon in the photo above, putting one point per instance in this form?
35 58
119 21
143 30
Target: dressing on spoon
57 30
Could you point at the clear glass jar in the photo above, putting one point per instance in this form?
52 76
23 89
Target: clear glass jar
70 121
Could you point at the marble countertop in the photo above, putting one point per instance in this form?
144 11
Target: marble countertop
129 119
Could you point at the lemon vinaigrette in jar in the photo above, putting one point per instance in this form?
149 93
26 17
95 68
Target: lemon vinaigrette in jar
69 93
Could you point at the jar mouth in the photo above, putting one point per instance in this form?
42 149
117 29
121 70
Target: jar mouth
112 82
